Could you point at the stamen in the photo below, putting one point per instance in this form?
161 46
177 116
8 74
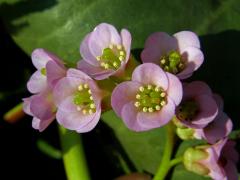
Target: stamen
84 111
89 91
138 96
121 58
92 106
78 108
119 47
90 111
91 98
157 107
163 61
85 85
150 109
163 94
145 109
141 88
163 103
137 104
80 87
149 87
98 58
111 46
122 53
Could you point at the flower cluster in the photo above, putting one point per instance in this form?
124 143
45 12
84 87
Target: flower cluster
146 96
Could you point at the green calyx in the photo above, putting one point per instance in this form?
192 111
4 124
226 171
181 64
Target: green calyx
83 100
192 158
172 62
112 57
185 133
150 98
187 110
44 71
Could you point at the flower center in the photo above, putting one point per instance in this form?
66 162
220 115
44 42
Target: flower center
44 71
150 98
83 100
187 110
172 62
112 57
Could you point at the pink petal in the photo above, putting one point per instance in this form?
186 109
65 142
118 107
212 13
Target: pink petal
175 90
158 118
156 45
218 99
129 117
40 57
123 94
86 53
126 42
67 105
97 73
42 106
41 125
54 73
218 129
149 73
231 171
193 58
196 88
102 36
26 106
37 82
208 110
75 73
186 39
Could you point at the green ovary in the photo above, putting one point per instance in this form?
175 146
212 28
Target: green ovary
112 57
84 100
44 71
150 98
172 62
187 110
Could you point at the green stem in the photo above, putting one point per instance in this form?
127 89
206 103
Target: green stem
175 161
73 155
165 165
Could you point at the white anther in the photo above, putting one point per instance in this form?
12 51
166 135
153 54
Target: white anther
122 53
89 91
121 58
119 47
85 85
84 111
78 108
98 58
163 103
141 88
92 106
163 94
163 61
106 66
149 86
138 96
115 64
102 64
91 98
145 109
137 104
111 46
166 68
150 109
180 65
157 107
90 111
157 89
80 87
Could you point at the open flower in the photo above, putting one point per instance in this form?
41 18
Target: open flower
219 128
217 161
105 52
149 100
50 70
78 100
179 54
198 107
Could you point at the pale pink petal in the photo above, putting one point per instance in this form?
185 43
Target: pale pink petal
186 39
42 106
54 73
129 117
149 73
26 105
157 45
175 90
219 100
193 58
157 119
77 74
86 53
126 42
196 88
37 82
41 125
231 170
123 94
67 105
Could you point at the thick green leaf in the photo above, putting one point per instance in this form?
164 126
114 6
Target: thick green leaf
144 148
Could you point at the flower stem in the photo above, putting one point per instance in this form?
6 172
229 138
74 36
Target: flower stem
175 161
165 164
73 155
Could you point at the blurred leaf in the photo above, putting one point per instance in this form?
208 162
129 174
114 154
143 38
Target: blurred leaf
143 148
48 149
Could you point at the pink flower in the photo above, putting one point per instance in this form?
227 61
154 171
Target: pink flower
217 161
105 52
149 100
78 100
198 107
219 128
49 70
179 54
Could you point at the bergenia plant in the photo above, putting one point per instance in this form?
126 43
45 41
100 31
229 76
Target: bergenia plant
152 97
179 54
105 52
